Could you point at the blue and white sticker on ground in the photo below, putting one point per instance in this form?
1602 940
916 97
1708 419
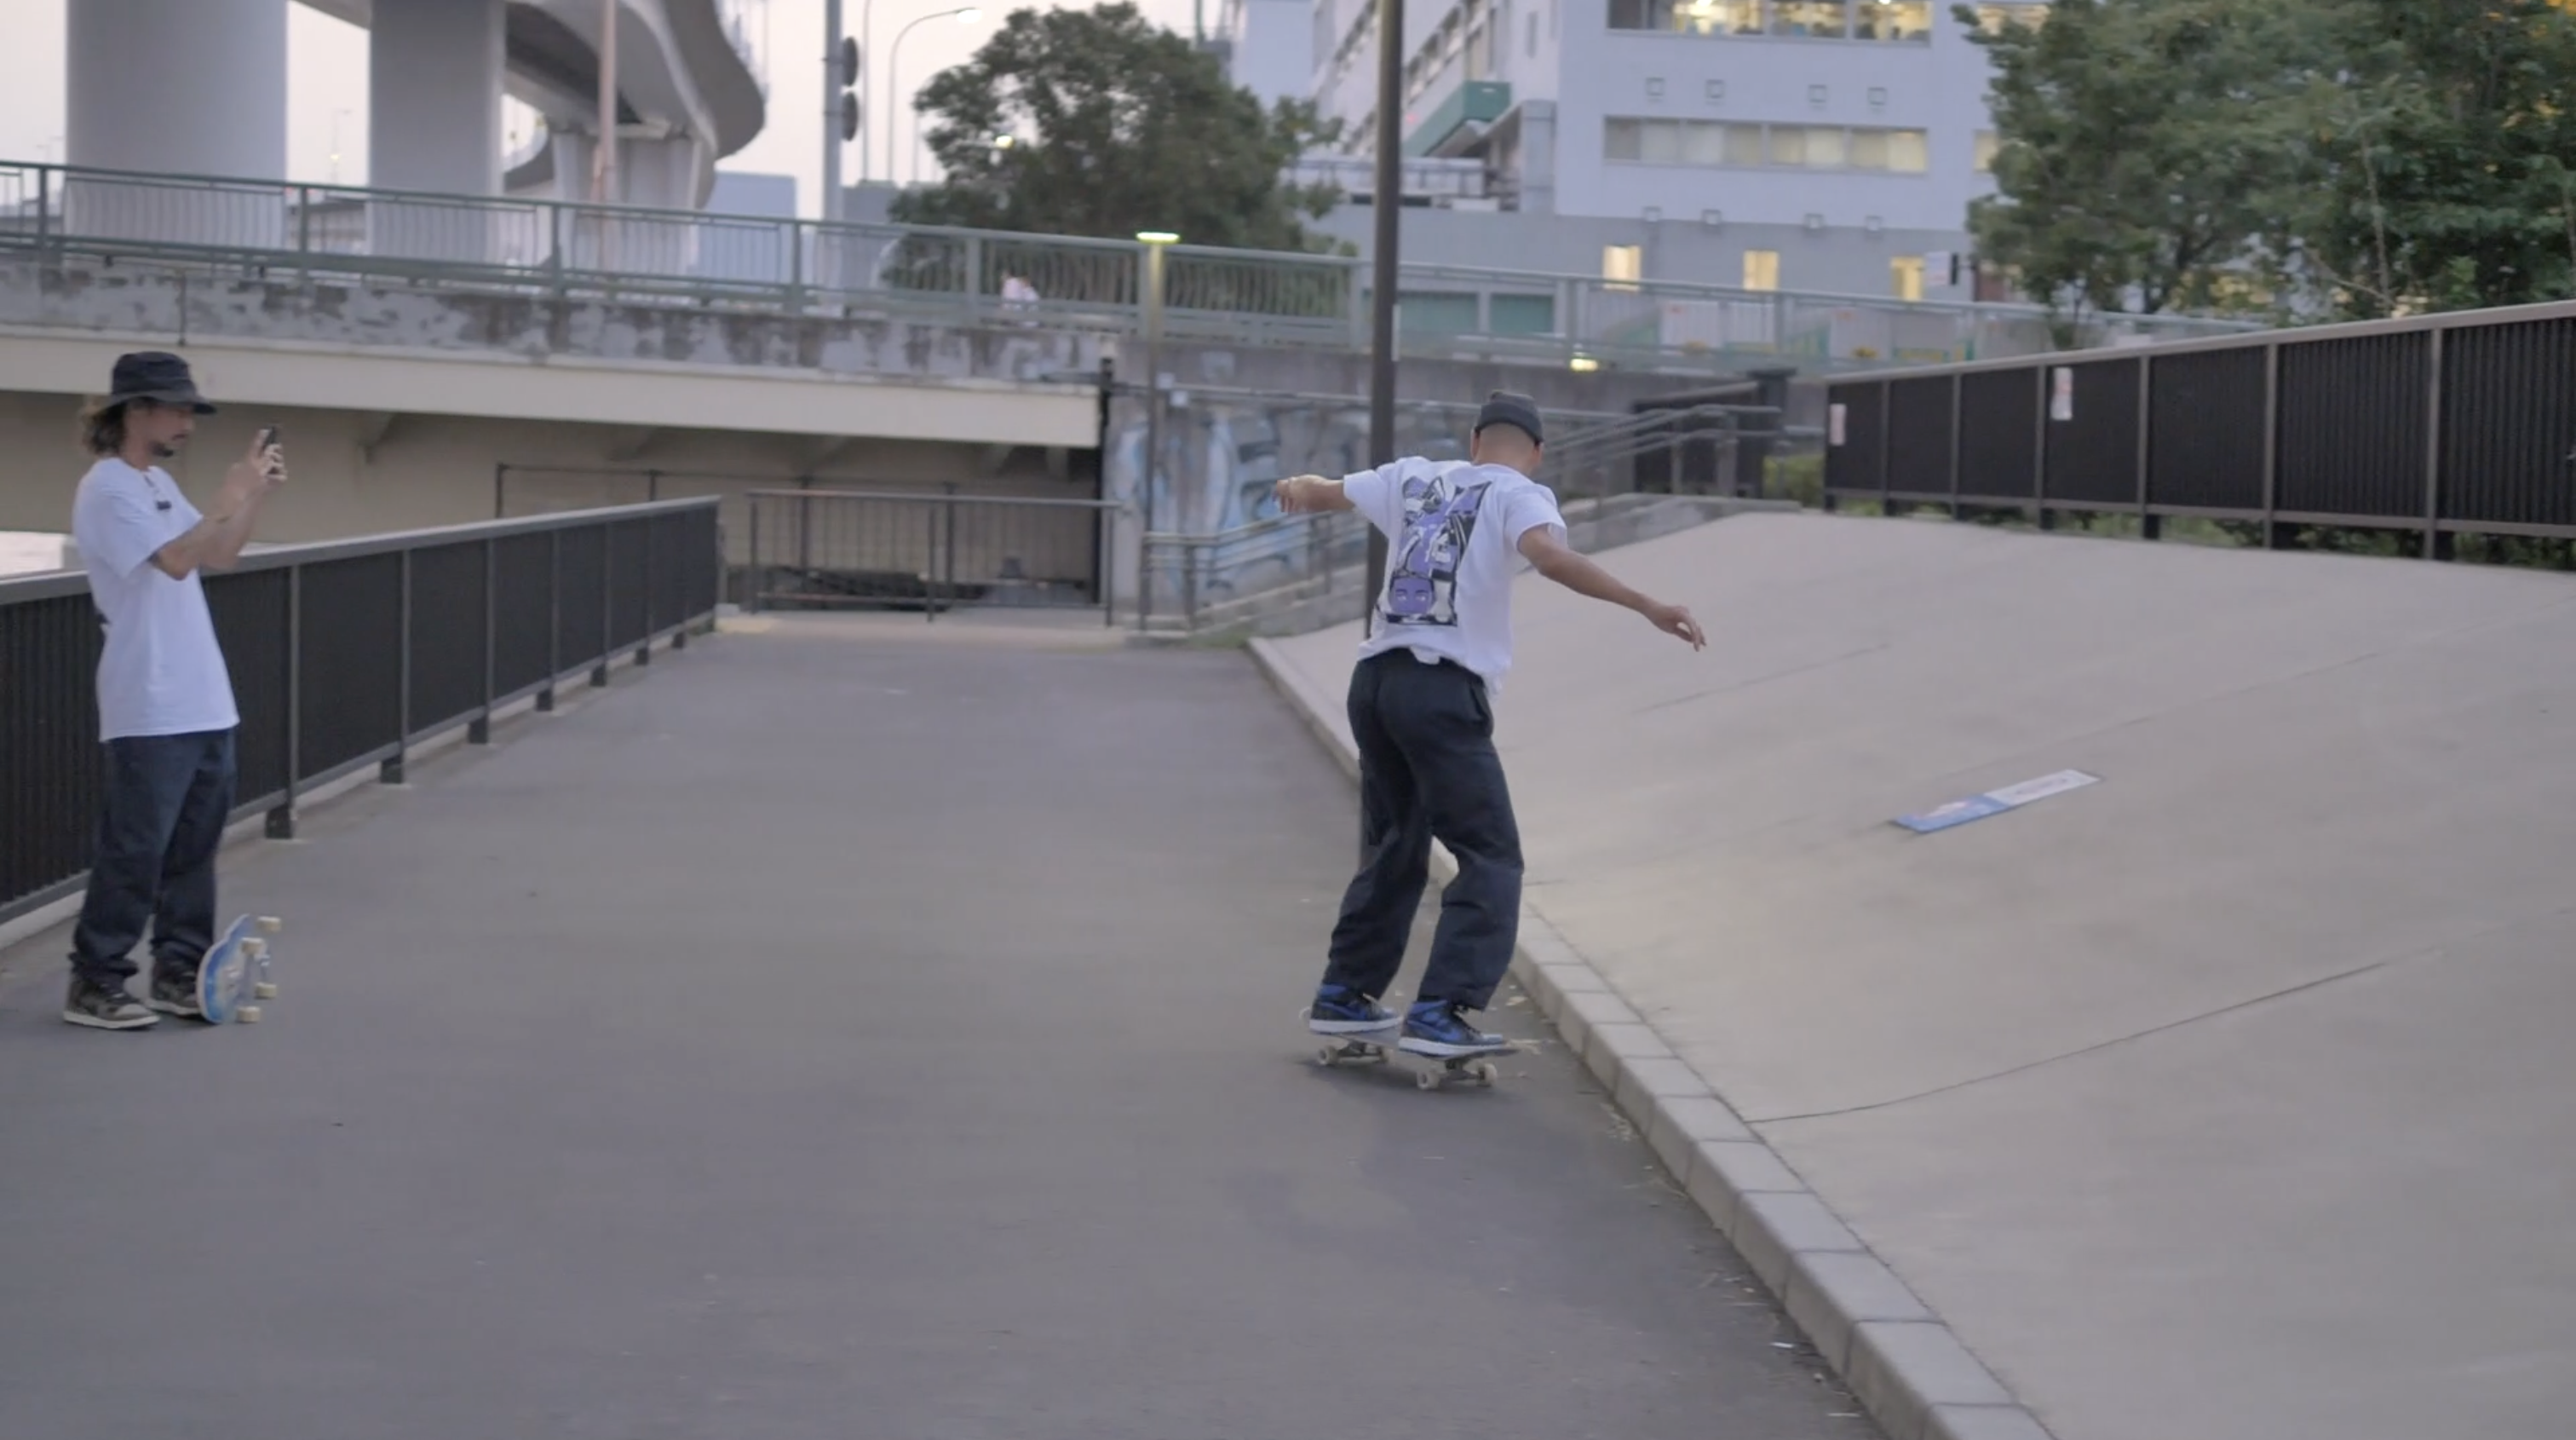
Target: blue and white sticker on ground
1996 802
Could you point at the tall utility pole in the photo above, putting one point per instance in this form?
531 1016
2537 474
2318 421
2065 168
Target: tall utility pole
833 80
603 170
1390 210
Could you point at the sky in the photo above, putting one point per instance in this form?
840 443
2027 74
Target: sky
326 100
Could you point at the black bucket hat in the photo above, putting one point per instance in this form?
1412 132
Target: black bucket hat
155 375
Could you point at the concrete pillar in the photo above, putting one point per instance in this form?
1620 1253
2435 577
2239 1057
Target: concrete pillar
434 124
193 87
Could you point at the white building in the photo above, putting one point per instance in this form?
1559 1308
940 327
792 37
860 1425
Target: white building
1778 144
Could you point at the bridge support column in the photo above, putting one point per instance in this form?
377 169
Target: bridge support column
187 87
434 124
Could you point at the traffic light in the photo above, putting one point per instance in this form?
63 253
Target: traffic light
850 78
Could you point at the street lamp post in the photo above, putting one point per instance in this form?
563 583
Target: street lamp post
1155 242
833 80
964 15
1389 200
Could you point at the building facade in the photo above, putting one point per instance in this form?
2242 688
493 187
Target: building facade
1816 145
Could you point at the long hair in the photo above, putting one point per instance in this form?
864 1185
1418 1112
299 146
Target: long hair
102 427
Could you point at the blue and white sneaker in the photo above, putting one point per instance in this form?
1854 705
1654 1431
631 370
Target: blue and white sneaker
1439 1028
1341 1010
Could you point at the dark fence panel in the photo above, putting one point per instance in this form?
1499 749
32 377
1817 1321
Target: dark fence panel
2509 423
1919 436
254 622
2352 417
50 768
2205 430
629 554
581 595
447 618
523 592
1855 464
2092 438
929 552
1999 435
323 642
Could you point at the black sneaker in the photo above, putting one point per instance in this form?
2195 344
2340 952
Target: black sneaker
100 1008
176 995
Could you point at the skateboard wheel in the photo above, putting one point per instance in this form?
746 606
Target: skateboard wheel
254 949
1484 1071
265 990
250 1014
1324 1056
1426 1080
271 924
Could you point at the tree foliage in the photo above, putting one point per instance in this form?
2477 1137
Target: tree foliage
1116 126
2307 157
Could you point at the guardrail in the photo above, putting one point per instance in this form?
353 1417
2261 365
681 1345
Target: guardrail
345 655
2462 423
565 249
931 552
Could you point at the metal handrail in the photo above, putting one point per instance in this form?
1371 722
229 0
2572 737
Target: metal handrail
563 246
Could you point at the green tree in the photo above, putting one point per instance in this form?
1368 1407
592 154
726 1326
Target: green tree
2144 147
2440 177
1116 125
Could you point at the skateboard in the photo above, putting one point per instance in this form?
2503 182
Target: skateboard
1363 1050
235 971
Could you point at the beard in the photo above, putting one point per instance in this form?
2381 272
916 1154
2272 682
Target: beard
164 450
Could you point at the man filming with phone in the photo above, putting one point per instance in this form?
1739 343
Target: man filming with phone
165 699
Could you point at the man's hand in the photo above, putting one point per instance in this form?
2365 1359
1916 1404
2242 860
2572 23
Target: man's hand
260 470
1675 621
1304 494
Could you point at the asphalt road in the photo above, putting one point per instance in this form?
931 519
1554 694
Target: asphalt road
824 1037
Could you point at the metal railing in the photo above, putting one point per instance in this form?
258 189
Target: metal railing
928 552
345 655
2461 423
566 249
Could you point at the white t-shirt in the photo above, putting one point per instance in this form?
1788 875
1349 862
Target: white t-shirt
162 673
1453 544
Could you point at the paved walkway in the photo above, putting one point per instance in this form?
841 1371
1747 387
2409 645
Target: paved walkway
818 1036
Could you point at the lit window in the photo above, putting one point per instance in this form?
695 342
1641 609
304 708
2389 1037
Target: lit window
1816 19
1908 151
1623 263
1987 144
1993 18
1826 147
1744 145
1761 269
1660 142
1905 277
1903 21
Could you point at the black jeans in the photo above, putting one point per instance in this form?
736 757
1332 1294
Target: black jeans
168 797
1428 769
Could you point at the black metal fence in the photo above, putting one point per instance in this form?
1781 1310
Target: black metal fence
2446 425
345 655
926 551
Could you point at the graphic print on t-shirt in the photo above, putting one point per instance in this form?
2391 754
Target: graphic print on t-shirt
1422 583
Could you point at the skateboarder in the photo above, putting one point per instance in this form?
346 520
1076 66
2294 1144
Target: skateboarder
165 698
1421 710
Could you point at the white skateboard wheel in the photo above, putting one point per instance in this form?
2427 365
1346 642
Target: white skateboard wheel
1426 1080
265 990
271 924
250 1014
254 949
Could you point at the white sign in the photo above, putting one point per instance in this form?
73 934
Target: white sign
2061 405
1834 424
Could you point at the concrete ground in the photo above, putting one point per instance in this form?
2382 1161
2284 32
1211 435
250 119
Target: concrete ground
2224 1099
824 1035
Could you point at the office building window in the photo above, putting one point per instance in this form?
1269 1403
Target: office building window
1623 265
1905 277
1761 269
1690 17
1812 19
1993 18
1738 145
1987 144
1903 21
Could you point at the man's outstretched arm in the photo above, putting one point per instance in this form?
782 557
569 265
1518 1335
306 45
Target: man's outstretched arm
1550 557
1310 493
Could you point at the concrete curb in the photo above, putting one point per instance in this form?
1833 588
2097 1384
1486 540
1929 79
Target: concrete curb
1906 1367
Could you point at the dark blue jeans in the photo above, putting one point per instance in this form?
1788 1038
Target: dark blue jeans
168 797
1428 768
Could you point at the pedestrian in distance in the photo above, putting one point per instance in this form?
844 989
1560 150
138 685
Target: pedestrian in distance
165 698
1421 710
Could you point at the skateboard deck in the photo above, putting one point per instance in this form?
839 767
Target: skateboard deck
1379 1047
234 973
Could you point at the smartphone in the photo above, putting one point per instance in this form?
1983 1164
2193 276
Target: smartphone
269 435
